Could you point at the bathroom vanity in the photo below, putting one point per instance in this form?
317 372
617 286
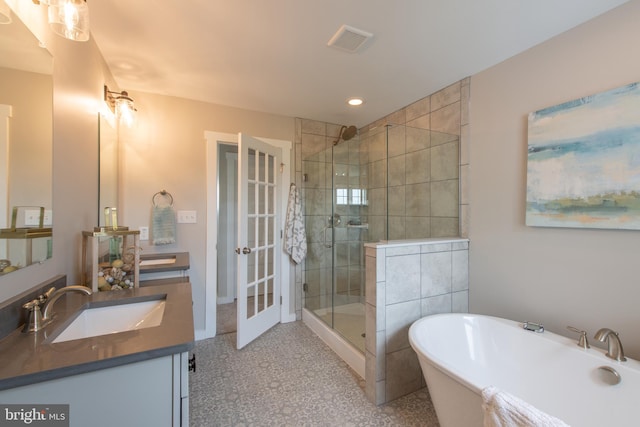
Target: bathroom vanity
159 268
134 377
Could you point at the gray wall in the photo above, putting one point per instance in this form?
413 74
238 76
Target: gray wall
584 278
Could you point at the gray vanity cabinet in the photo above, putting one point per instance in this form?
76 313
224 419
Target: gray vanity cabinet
153 392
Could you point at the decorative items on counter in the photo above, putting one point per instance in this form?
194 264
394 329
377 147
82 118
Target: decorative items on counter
117 274
6 267
110 256
28 241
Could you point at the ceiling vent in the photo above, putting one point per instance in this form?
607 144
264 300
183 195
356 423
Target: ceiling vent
349 39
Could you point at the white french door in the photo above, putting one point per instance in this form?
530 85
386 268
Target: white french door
259 243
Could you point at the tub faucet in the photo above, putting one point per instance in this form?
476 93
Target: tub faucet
582 341
47 311
614 345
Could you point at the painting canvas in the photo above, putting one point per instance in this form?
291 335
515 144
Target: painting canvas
583 162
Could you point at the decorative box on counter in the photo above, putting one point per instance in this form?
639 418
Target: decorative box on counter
110 258
27 241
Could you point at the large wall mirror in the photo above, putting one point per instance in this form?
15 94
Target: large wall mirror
26 116
108 165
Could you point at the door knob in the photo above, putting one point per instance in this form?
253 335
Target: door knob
246 250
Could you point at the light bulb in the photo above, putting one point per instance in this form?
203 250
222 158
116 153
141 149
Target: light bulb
125 110
70 16
70 19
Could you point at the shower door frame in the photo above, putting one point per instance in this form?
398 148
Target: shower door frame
332 265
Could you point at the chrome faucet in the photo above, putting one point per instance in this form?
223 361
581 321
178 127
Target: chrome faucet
614 345
47 311
34 322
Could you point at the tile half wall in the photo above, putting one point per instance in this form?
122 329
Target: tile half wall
405 281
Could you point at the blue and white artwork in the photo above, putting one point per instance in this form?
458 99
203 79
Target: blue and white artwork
583 163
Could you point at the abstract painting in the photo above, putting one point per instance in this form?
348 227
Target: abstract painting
583 162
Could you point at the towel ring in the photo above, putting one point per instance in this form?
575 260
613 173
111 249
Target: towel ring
163 193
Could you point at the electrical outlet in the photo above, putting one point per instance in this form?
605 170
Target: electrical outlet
187 217
144 233
32 217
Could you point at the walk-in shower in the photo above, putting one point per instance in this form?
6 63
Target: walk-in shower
393 182
334 196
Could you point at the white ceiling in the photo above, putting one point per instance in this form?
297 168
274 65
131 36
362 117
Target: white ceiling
272 56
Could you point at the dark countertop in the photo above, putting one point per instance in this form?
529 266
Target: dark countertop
181 263
33 358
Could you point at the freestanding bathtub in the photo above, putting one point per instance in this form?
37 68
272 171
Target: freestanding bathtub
460 354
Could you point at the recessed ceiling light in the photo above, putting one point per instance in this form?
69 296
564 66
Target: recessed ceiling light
354 102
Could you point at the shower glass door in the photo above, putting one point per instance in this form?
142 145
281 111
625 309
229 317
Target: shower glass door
390 182
336 202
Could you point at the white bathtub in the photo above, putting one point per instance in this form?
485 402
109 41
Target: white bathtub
460 354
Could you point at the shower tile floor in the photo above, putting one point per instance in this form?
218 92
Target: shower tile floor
348 320
289 377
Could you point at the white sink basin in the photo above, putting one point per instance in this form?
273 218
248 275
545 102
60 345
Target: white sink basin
112 319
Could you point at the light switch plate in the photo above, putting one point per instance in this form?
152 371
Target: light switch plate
32 217
144 233
187 217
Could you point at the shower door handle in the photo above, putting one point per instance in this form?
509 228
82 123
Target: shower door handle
327 245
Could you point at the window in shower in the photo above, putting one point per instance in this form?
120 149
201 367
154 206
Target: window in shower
353 196
342 196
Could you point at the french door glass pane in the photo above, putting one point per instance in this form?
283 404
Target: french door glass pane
252 165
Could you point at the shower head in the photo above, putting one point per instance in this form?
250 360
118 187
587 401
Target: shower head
346 133
349 133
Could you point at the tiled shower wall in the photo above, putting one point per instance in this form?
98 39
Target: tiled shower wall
444 112
413 183
428 161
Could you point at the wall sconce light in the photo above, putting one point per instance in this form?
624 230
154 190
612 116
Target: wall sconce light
121 104
68 18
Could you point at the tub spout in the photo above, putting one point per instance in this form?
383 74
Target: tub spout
614 345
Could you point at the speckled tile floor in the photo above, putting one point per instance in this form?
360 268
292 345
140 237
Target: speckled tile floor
289 377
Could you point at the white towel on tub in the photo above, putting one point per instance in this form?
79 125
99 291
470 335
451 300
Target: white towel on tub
502 409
